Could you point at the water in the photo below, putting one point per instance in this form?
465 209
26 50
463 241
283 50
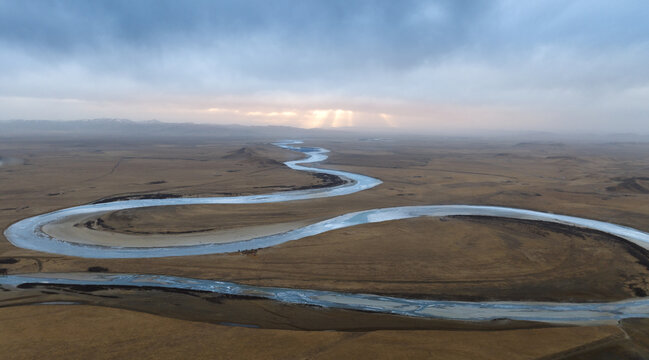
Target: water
452 310
27 234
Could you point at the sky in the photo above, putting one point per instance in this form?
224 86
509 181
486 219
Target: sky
447 65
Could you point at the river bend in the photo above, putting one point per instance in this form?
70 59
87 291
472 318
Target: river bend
28 234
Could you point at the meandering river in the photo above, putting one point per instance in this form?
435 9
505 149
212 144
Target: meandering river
29 234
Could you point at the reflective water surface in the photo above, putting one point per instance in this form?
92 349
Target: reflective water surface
28 234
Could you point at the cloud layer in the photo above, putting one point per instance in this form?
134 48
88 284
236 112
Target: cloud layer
435 65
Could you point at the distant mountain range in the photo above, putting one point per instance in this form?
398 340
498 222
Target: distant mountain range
134 129
127 129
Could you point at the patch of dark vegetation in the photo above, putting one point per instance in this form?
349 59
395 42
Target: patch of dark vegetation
3 271
639 292
84 288
98 224
251 252
326 180
97 269
8 260
157 182
629 185
54 194
166 232
136 197
329 178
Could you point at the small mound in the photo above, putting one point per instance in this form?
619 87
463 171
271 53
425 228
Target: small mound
251 155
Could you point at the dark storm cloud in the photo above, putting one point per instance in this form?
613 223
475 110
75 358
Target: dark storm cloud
488 53
394 33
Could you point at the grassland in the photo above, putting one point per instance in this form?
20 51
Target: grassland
464 258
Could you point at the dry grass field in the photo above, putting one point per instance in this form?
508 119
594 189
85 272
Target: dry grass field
81 332
468 258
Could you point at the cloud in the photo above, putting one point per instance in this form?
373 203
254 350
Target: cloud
172 60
